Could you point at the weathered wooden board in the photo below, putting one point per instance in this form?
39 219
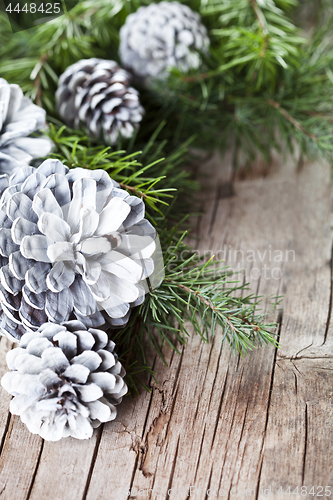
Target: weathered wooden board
219 426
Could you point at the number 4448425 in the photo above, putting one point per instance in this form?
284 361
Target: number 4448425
50 8
315 491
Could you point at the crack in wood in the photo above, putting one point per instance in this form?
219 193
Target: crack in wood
205 375
174 399
243 425
219 409
259 477
213 216
137 444
296 367
199 219
239 357
199 454
142 448
175 384
207 496
295 376
153 439
149 405
294 360
296 356
93 461
135 468
258 287
215 376
330 301
305 440
224 190
4 436
172 470
231 426
241 435
279 322
35 471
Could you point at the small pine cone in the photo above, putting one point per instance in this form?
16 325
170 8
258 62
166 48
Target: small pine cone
95 95
19 118
73 245
66 380
162 36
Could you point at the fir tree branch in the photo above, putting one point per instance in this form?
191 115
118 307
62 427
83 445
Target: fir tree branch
36 79
209 304
244 70
292 120
192 293
141 194
260 17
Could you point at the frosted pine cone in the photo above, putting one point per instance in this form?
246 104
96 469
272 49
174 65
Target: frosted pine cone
161 36
95 94
73 245
19 118
65 380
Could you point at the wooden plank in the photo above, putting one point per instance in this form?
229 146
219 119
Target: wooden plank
18 462
215 421
298 444
208 403
63 469
292 211
255 221
20 450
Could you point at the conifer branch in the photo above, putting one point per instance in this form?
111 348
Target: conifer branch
141 194
198 294
292 120
260 17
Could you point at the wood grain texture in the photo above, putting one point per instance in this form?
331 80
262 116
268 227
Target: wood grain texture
218 424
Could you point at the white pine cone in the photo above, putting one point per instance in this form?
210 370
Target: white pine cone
19 118
95 94
162 36
72 245
66 380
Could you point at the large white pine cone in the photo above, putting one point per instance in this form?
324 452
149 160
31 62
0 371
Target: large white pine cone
73 245
65 380
95 94
19 118
162 36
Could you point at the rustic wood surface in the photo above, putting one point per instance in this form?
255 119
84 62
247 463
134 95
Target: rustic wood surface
219 426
